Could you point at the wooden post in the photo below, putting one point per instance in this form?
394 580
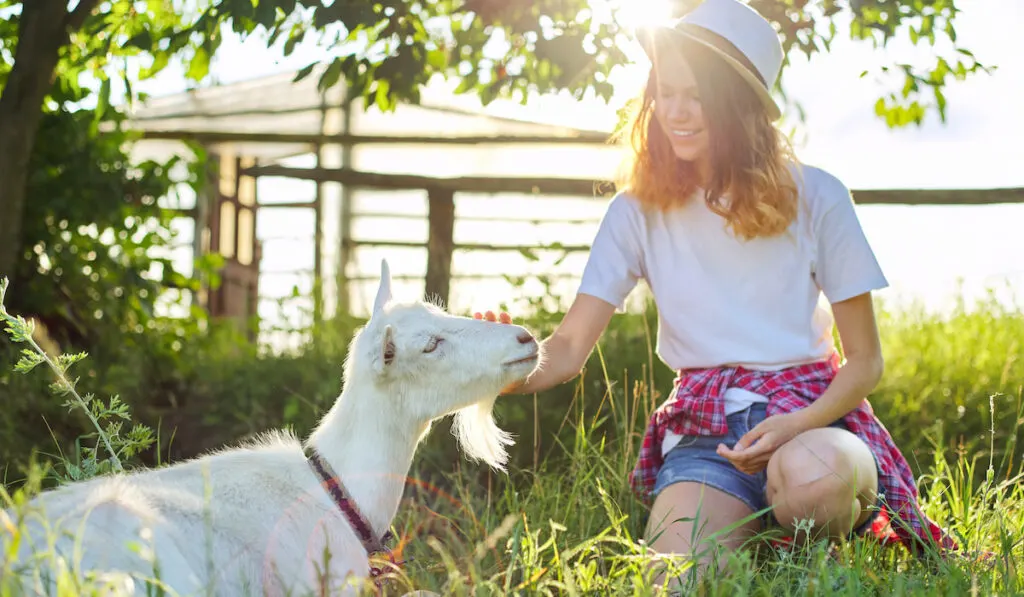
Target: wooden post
318 228
205 195
345 215
247 247
318 248
440 243
328 156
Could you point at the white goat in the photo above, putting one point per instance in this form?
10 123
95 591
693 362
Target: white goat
258 519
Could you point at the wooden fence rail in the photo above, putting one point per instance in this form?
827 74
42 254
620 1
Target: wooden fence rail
529 185
584 137
599 188
441 193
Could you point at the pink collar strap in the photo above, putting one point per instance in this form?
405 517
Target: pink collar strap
330 481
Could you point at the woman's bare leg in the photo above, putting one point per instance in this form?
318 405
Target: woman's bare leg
685 521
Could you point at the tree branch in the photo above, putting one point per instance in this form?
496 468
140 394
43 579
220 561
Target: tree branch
77 17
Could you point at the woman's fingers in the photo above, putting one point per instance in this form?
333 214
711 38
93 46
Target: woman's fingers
491 316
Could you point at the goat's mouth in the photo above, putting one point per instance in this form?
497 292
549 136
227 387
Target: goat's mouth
527 360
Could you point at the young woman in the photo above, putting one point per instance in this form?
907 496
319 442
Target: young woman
738 242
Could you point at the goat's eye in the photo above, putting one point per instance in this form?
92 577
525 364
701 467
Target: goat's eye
432 344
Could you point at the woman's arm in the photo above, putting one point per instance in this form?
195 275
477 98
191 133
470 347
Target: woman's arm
567 349
614 266
858 335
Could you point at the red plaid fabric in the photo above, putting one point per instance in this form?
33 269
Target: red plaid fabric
698 408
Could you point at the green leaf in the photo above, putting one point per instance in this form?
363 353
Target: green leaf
103 100
489 93
128 89
381 97
604 90
940 100
291 410
73 471
19 328
465 83
304 72
266 13
160 61
68 359
437 59
30 359
295 37
199 66
529 254
142 40
331 75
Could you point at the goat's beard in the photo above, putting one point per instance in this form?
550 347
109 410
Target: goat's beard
479 436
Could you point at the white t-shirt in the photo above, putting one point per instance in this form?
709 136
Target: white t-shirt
723 301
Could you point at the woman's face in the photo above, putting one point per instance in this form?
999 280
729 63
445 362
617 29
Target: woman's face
677 109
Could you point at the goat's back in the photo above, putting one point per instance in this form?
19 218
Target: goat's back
232 519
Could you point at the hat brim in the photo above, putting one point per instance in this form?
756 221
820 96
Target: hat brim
647 37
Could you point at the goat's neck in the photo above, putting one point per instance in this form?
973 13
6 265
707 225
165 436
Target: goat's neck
370 447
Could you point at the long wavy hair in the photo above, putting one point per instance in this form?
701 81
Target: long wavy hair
749 156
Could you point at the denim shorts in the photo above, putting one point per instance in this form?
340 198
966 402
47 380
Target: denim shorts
695 459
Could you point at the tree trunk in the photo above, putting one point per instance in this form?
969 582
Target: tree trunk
43 30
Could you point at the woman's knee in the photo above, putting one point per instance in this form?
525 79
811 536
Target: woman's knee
825 475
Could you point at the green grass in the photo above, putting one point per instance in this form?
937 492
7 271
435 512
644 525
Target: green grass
564 521
572 527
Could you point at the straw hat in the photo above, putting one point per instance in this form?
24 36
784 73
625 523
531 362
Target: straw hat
716 21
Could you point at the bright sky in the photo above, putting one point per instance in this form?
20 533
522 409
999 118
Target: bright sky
841 133
837 101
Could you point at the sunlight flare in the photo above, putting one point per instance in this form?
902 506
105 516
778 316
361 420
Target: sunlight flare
640 13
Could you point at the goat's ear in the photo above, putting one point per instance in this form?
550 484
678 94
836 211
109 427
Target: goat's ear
384 290
387 349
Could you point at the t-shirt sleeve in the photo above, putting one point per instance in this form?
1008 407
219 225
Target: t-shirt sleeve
614 264
846 264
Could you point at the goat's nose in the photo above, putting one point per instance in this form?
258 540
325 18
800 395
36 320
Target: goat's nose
524 338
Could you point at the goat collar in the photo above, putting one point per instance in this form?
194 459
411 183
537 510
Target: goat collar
331 482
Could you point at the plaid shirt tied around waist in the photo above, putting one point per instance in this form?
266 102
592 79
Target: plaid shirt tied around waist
697 408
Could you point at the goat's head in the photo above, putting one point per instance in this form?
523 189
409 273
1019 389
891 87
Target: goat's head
432 363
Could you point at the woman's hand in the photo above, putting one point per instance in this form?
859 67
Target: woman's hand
568 347
752 452
503 317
